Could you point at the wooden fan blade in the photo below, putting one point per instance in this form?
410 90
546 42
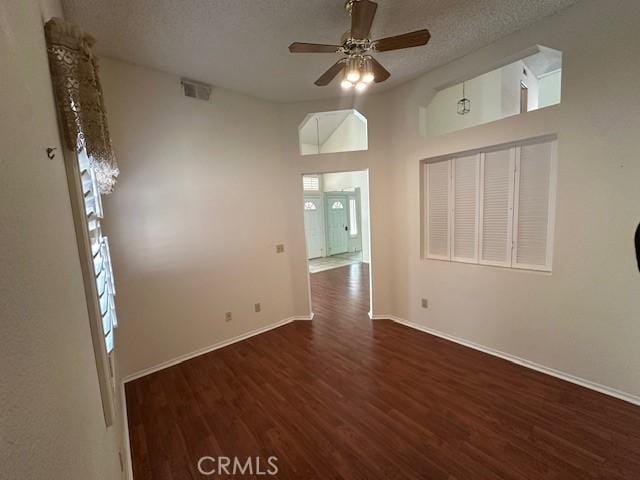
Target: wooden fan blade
330 74
407 40
362 13
297 47
380 74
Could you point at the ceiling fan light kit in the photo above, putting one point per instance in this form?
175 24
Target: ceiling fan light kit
359 68
353 69
367 75
346 84
358 73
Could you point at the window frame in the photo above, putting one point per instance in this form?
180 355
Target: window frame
514 184
103 359
353 200
311 178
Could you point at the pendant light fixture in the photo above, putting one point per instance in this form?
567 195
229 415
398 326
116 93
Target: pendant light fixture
464 104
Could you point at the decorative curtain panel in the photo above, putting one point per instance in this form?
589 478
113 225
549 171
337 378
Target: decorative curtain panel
78 94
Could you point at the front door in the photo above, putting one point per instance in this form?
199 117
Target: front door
337 224
313 230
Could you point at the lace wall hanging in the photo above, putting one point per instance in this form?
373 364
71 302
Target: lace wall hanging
78 94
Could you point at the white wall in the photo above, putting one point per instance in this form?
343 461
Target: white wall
493 95
550 91
196 217
510 77
376 159
336 182
351 135
206 192
583 318
440 115
52 424
189 245
308 149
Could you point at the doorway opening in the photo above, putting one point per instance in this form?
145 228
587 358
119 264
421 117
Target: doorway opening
337 231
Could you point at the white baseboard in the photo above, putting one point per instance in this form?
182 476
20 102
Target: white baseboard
169 363
211 348
627 397
497 353
128 463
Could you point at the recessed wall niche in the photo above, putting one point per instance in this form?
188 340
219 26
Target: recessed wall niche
333 132
529 83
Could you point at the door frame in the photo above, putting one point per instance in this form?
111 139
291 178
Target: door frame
370 236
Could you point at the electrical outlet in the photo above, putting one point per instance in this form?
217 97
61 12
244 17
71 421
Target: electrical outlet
257 307
425 303
280 248
227 317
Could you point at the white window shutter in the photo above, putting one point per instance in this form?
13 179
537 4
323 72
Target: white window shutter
533 205
438 205
496 215
465 186
311 183
99 250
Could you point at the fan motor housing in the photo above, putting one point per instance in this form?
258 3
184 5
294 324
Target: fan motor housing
353 46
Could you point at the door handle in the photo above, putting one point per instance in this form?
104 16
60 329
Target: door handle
346 229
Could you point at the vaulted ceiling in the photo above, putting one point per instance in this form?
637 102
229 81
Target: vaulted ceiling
242 44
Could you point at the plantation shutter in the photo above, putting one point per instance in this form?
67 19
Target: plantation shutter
465 178
533 199
99 245
497 172
311 182
438 174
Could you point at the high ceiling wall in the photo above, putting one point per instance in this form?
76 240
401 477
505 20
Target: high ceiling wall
569 315
581 319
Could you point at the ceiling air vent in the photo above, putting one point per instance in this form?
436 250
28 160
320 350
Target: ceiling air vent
194 89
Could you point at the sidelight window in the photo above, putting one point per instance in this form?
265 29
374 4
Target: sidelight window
353 217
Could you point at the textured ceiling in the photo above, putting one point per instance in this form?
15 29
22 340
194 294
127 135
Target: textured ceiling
242 44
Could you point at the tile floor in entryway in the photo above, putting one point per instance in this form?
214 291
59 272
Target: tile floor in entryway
335 261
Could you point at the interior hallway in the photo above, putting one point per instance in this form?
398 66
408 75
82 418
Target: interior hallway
345 397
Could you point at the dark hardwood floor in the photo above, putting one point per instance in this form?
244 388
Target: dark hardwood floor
345 397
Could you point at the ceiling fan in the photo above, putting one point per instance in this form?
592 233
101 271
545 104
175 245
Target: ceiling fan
359 67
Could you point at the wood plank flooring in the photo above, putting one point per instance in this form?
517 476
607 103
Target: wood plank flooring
343 397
